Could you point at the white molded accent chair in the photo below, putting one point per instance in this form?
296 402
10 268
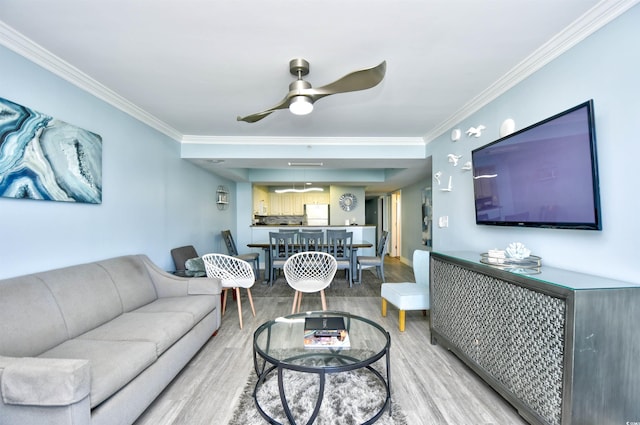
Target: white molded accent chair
234 273
409 295
309 272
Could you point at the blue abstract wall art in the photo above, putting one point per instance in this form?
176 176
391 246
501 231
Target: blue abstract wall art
48 159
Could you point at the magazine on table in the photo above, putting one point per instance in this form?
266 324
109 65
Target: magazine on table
325 332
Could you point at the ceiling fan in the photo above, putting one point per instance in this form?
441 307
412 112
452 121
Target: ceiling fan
301 95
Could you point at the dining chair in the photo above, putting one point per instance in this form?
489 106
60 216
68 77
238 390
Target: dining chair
251 257
311 241
376 261
340 246
308 272
409 295
281 247
233 273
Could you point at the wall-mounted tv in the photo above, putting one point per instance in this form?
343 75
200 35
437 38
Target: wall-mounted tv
545 175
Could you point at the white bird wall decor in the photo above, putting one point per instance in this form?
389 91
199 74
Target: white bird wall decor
437 176
475 131
454 159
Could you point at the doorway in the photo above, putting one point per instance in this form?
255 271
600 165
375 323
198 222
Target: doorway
395 234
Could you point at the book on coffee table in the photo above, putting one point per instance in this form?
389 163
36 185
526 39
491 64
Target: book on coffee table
325 332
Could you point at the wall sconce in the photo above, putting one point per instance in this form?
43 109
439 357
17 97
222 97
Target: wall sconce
222 197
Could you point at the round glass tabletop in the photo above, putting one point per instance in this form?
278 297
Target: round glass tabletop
281 341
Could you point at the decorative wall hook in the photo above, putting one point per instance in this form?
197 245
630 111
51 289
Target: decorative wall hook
449 188
475 131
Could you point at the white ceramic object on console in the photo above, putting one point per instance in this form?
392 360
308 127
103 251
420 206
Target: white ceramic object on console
517 251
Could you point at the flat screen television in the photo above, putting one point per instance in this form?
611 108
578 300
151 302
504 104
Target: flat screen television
545 175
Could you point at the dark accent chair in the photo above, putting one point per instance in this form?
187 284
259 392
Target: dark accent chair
181 255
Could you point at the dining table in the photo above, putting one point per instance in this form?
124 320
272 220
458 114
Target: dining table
267 256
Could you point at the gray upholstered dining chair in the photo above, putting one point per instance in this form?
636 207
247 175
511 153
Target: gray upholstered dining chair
251 257
281 247
340 245
376 261
311 241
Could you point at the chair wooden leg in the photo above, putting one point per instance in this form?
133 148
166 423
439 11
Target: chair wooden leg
295 302
253 310
224 301
401 320
384 307
239 306
324 300
299 302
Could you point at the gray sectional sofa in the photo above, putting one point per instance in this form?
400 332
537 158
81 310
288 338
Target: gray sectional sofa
96 343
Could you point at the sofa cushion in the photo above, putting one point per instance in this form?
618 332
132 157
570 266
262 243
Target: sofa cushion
113 363
162 329
196 305
86 296
131 278
30 320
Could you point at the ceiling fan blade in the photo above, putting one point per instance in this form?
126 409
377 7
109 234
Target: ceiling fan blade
355 81
284 103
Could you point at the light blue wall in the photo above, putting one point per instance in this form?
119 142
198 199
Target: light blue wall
411 220
604 67
152 200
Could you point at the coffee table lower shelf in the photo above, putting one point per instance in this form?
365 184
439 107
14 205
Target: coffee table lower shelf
275 351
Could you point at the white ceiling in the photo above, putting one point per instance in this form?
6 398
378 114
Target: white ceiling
189 67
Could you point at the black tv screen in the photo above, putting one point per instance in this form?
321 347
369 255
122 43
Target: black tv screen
545 175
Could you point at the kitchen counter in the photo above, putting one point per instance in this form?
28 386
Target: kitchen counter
302 226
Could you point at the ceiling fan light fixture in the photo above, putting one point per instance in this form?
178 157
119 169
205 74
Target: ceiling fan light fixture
300 105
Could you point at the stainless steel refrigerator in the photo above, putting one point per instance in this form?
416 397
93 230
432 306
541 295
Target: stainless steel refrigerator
316 214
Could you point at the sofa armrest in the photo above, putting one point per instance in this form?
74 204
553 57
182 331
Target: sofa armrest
170 285
35 381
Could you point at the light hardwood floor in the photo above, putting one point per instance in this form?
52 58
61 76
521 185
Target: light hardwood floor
431 385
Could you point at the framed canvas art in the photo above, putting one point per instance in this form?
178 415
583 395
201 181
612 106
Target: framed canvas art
44 158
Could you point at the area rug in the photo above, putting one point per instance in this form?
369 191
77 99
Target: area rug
350 398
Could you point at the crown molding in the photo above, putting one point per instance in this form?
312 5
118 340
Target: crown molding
23 46
592 20
312 141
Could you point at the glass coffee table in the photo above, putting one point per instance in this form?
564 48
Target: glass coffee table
278 348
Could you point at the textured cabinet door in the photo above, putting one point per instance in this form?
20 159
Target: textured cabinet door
515 335
562 347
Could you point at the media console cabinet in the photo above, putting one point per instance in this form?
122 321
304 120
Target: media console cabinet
562 347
